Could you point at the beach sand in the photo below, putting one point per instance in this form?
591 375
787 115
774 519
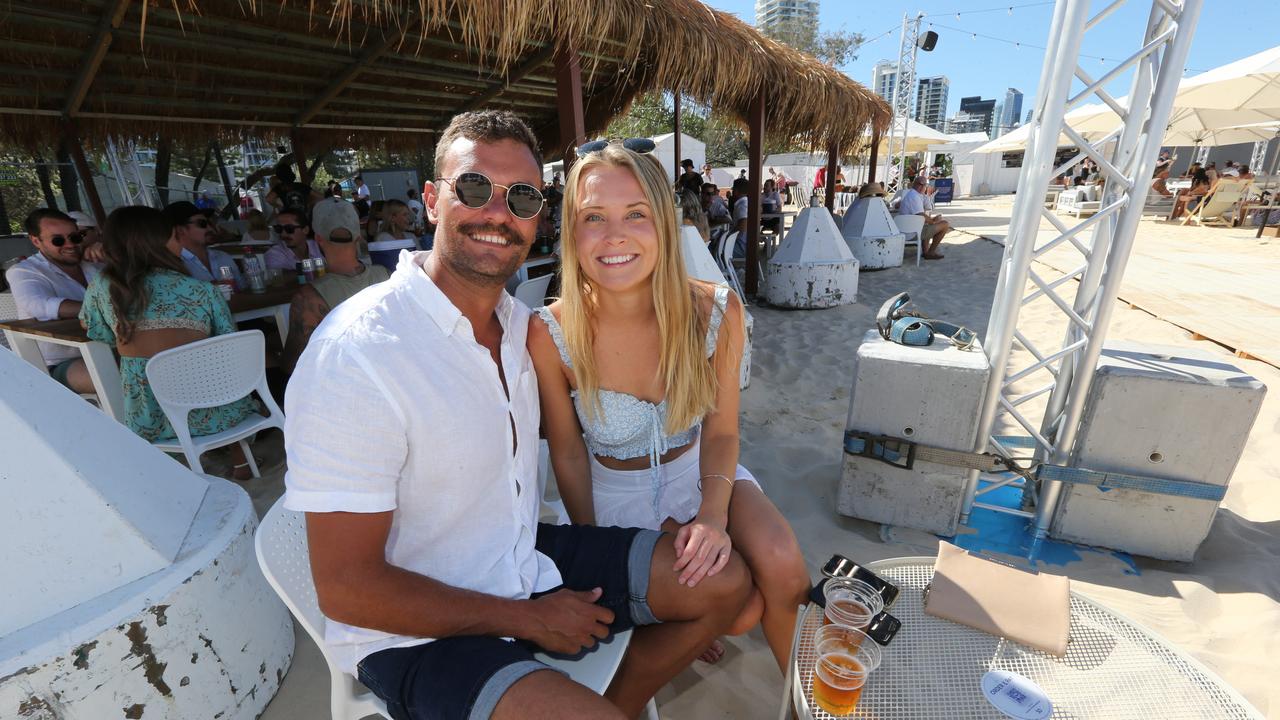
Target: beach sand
1223 609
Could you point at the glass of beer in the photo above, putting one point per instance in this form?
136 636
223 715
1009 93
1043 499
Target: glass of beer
851 602
846 657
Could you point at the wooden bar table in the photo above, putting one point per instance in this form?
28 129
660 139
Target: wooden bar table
99 358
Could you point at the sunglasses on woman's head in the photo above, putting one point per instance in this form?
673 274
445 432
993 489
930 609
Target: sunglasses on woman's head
635 145
59 240
475 189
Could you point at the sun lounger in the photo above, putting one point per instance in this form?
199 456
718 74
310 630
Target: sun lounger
1079 200
1224 196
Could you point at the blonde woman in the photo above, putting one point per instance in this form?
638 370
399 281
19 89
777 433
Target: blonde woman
637 370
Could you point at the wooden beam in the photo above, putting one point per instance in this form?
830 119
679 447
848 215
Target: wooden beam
875 152
232 199
833 170
71 137
573 130
368 57
755 167
534 62
112 15
675 140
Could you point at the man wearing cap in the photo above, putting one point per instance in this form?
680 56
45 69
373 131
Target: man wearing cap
194 232
337 225
50 285
935 227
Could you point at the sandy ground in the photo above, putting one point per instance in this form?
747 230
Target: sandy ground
1224 608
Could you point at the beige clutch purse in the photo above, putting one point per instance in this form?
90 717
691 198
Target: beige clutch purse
1031 608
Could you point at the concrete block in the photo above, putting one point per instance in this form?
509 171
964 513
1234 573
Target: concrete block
813 268
1164 412
927 394
91 506
872 235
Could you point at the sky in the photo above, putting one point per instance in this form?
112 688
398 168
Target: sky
990 63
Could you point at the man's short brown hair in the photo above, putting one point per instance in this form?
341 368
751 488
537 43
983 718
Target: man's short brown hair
487 126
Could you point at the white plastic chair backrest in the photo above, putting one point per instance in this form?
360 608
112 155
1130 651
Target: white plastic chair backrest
910 224
533 292
726 251
8 311
208 373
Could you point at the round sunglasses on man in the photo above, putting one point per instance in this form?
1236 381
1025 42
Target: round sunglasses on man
74 238
475 190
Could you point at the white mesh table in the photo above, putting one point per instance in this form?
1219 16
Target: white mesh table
933 669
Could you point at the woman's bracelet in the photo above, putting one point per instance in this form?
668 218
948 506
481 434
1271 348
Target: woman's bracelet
726 478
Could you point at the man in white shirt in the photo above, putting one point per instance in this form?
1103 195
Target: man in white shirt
194 231
50 285
914 202
428 560
362 190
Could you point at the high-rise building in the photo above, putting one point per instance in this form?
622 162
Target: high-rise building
931 101
772 14
996 129
983 109
1010 111
963 122
1030 111
884 79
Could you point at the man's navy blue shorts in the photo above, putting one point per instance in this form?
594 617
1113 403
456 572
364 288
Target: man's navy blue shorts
464 677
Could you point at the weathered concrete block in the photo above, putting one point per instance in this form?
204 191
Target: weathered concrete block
872 235
813 268
927 394
1163 412
90 505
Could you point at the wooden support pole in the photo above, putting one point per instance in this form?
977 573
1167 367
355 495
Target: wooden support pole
233 200
833 171
71 138
573 131
108 22
755 166
675 139
875 152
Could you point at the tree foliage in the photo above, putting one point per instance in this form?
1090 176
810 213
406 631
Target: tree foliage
836 48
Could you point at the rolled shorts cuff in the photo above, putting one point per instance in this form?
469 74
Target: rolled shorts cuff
499 683
639 562
58 371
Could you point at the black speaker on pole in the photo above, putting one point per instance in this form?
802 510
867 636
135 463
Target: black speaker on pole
928 41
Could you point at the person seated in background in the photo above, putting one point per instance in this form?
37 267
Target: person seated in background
413 200
1189 198
1161 174
373 221
204 202
935 227
692 215
771 203
1230 169
286 191
336 227
1212 171
143 302
293 245
741 206
714 205
397 219
194 232
51 284
1244 173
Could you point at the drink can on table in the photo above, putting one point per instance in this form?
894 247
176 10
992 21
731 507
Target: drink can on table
846 659
309 269
318 266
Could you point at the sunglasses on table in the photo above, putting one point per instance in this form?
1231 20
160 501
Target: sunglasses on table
635 145
286 229
475 190
74 238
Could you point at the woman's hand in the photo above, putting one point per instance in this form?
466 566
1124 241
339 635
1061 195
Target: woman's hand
702 549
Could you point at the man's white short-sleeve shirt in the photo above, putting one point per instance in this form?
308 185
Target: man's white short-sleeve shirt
39 287
394 406
912 203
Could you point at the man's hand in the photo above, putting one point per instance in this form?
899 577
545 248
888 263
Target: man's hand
567 621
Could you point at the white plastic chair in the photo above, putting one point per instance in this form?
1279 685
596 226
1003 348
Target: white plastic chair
912 226
283 555
726 264
8 311
533 292
208 373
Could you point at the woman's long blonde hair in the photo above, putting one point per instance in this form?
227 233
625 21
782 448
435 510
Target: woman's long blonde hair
687 373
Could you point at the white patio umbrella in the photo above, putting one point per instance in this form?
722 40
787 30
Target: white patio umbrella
919 137
1089 121
1248 84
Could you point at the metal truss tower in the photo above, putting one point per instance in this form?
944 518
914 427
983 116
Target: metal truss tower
905 87
1126 158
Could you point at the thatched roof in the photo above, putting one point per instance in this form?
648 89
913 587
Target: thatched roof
393 71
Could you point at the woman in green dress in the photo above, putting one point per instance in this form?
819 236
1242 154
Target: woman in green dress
144 302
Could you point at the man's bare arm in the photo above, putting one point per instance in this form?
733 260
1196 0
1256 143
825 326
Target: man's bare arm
69 309
357 586
305 313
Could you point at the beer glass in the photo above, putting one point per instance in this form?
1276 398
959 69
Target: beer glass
846 657
851 602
